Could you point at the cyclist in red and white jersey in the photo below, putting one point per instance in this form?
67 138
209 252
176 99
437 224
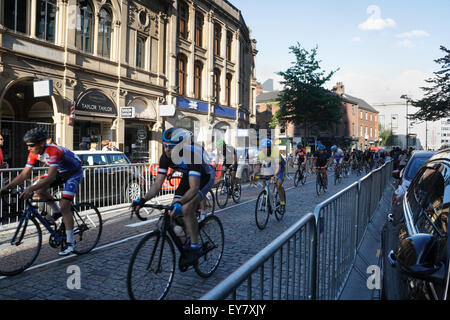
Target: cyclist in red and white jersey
300 155
64 168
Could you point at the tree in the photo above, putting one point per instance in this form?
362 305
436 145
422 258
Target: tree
386 135
436 102
304 101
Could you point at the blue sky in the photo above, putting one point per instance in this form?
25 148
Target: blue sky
383 49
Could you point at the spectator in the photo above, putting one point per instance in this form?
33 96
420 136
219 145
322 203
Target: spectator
105 145
93 146
402 160
2 164
112 146
50 141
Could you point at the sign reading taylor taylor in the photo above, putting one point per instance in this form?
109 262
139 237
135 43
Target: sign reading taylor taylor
96 102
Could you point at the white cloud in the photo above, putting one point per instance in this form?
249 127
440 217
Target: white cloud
356 39
375 22
405 44
413 34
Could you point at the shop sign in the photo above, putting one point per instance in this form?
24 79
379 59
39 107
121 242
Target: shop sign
96 102
167 110
127 112
43 88
141 134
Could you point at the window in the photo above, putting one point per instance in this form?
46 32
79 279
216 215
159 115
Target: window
45 19
104 34
198 29
140 52
361 131
228 89
15 15
370 117
394 121
216 86
198 80
366 132
183 20
217 39
181 70
353 109
84 28
366 115
360 113
229 43
353 129
371 132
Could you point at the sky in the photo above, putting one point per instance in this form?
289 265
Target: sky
383 49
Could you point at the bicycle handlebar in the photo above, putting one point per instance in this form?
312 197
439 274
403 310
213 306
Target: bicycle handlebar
148 205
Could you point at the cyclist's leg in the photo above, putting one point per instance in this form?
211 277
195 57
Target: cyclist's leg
280 188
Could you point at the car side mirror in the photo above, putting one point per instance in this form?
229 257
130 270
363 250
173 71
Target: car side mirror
418 257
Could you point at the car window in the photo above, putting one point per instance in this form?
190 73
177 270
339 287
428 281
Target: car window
414 166
429 202
93 160
118 159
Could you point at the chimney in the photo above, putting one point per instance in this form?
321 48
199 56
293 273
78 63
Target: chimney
339 88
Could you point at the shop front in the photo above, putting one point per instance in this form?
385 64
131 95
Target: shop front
95 115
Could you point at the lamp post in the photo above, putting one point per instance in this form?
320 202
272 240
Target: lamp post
404 96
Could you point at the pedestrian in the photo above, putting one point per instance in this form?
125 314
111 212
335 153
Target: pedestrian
93 146
402 160
105 145
2 163
112 146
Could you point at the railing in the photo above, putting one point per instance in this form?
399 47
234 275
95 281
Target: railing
320 249
104 185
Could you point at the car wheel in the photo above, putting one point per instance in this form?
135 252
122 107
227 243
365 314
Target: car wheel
132 191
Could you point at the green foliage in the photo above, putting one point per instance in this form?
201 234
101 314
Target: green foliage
436 102
304 101
386 136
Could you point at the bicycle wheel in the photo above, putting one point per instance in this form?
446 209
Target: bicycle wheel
211 238
278 212
304 177
152 268
210 203
87 227
262 210
236 195
296 178
318 184
222 194
15 258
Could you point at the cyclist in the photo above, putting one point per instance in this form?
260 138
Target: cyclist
229 159
270 156
320 159
338 156
191 159
64 168
300 155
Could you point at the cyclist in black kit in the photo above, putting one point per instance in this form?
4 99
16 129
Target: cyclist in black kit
198 178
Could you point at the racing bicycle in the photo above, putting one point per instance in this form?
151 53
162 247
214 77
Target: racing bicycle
267 204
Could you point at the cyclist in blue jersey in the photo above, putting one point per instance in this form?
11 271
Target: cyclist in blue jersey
198 178
64 168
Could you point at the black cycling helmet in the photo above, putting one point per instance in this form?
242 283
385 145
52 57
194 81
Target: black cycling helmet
299 145
37 134
176 135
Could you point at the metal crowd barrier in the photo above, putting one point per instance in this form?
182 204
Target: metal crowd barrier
312 259
104 185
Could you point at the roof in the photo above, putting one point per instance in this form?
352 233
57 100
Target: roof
360 102
267 96
96 152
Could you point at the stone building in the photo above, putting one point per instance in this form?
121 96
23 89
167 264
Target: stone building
108 69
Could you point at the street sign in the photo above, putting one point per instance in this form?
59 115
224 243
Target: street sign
127 112
43 88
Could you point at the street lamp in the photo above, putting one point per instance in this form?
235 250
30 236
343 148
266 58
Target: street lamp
404 96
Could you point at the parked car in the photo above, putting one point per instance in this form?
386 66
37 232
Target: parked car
109 177
415 240
404 177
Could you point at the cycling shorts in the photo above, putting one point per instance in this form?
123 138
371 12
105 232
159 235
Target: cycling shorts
282 174
70 180
338 159
206 184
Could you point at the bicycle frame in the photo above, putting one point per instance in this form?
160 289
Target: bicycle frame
269 204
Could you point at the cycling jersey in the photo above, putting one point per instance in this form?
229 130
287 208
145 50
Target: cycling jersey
322 158
271 162
227 157
53 155
301 154
338 155
70 171
193 161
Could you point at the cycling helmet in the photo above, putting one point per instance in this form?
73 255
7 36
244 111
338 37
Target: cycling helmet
220 143
299 145
176 135
265 143
321 147
333 148
37 134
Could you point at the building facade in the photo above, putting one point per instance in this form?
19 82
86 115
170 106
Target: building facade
114 67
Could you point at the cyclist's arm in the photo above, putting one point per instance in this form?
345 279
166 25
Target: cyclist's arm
45 183
194 187
24 174
156 187
256 169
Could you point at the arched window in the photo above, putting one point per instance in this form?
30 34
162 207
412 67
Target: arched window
85 26
199 29
181 70
15 15
46 19
198 80
228 89
104 34
183 20
140 52
217 38
229 44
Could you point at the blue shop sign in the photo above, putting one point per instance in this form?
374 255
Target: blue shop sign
224 111
192 104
